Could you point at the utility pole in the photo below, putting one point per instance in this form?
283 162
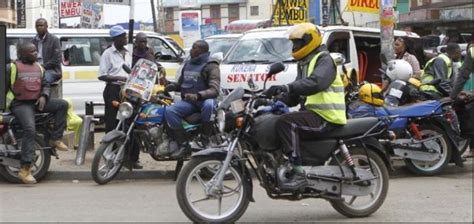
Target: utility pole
153 13
161 16
387 24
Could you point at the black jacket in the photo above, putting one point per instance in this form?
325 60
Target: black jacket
51 52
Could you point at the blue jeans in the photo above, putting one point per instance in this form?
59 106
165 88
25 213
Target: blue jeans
176 112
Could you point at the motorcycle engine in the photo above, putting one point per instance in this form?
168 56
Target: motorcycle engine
160 139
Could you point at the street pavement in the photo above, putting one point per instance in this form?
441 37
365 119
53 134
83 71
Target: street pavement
444 198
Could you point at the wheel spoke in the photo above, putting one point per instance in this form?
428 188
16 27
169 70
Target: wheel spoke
200 180
220 204
352 200
202 199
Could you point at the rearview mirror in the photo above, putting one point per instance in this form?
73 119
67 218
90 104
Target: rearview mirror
275 68
338 58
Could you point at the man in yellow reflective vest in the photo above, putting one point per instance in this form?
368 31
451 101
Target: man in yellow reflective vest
441 67
28 93
318 88
466 112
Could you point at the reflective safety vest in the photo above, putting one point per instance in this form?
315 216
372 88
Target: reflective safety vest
29 72
426 78
330 103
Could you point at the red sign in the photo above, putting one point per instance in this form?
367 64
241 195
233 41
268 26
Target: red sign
70 9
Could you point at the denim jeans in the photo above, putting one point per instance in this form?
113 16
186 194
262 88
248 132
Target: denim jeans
176 112
51 76
25 111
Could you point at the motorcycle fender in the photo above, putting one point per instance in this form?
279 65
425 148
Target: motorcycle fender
112 135
221 153
456 156
377 147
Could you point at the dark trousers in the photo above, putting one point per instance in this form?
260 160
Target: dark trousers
111 93
25 111
296 126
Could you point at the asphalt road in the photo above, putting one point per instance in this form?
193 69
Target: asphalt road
446 198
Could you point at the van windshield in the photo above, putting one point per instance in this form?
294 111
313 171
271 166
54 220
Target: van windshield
264 50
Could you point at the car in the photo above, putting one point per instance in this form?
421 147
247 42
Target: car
221 43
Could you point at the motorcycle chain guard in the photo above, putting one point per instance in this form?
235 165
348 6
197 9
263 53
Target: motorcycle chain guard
424 150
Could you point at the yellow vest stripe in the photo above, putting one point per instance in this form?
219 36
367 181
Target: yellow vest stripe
330 103
426 78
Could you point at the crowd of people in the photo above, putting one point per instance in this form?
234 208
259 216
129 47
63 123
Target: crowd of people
320 91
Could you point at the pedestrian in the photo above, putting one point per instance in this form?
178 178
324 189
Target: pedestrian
28 92
141 50
320 91
199 85
49 54
404 49
111 72
464 79
441 68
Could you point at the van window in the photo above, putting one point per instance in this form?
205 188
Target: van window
12 47
83 51
159 46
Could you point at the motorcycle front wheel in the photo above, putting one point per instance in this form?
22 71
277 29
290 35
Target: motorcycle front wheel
104 168
39 167
362 206
202 200
428 168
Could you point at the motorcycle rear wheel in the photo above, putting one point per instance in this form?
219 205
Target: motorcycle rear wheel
39 168
352 206
192 187
432 168
103 167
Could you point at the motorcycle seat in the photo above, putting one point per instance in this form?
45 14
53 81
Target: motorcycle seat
354 127
193 118
415 110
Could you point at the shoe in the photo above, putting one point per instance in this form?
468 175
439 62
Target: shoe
25 175
58 145
137 165
295 178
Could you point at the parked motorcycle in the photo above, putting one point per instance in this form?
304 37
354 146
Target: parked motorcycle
10 146
346 166
141 119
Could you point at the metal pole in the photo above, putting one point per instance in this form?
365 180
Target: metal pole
131 22
387 24
153 13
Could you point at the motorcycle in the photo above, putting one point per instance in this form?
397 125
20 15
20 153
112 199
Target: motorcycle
346 166
10 146
141 119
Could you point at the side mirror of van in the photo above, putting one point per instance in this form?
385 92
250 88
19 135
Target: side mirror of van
338 58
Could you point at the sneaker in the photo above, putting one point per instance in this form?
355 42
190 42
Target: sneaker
137 165
25 175
59 145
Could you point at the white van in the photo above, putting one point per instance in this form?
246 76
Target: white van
81 51
251 56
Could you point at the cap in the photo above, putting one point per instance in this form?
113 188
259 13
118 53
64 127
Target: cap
116 31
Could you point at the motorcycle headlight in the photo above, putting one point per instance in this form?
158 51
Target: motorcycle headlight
125 111
221 120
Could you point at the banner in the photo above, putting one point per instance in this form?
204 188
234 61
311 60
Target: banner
20 14
368 6
189 28
296 10
91 14
70 9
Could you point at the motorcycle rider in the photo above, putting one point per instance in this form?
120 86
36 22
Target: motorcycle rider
324 106
441 67
199 86
28 92
465 73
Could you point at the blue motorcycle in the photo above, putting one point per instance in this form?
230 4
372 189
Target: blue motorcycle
142 124
424 134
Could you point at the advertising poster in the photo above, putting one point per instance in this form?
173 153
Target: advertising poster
70 9
91 14
189 28
20 14
367 6
297 12
142 79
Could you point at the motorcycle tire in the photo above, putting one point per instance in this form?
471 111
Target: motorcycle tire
446 147
349 209
184 187
115 169
39 172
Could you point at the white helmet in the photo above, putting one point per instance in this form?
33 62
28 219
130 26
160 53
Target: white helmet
399 70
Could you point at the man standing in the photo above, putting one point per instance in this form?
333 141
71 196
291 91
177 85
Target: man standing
49 52
111 72
29 93
199 86
320 88
441 67
141 50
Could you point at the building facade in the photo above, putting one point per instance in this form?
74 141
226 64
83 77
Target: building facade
47 9
219 12
8 15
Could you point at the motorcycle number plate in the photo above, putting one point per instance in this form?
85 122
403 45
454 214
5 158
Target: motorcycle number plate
396 93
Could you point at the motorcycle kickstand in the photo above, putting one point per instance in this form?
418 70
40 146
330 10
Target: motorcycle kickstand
179 165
